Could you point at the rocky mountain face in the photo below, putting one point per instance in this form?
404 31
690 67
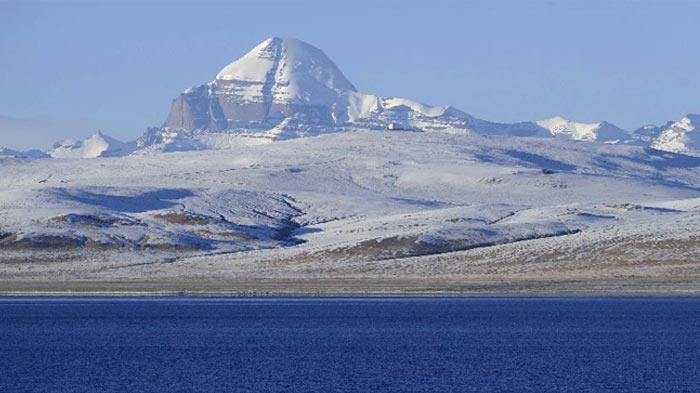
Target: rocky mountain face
279 78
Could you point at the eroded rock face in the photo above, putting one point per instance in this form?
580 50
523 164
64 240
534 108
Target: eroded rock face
279 78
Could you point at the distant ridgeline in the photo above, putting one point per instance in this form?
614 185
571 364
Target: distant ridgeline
285 88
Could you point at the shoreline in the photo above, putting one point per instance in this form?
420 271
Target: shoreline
351 288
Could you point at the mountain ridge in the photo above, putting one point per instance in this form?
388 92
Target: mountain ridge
264 95
285 88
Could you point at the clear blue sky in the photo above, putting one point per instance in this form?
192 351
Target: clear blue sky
68 68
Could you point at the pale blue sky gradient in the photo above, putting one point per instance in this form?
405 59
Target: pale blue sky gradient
68 68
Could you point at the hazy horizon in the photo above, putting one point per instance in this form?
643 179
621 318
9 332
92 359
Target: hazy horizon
630 63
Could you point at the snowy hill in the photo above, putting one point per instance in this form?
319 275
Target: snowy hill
682 136
357 204
594 132
97 145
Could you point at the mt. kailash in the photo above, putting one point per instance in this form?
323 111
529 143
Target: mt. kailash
285 88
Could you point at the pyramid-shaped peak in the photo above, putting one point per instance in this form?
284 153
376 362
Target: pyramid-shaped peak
287 61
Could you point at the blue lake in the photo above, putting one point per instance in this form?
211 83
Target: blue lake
349 345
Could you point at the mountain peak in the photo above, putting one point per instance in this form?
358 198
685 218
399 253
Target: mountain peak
682 136
277 61
279 78
96 145
600 132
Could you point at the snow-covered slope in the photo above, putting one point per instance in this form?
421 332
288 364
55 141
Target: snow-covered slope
357 203
285 88
682 136
97 145
284 71
594 132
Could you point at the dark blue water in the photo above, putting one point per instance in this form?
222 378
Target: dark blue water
349 345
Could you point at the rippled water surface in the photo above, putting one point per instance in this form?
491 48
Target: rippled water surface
349 345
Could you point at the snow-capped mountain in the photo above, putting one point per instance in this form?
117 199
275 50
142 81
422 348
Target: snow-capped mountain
593 132
682 136
10 153
97 145
279 78
285 88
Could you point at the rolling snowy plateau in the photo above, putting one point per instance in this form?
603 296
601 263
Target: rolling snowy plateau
280 170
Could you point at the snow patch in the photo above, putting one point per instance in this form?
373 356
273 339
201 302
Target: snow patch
97 145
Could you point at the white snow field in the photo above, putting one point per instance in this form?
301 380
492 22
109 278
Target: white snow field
361 204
